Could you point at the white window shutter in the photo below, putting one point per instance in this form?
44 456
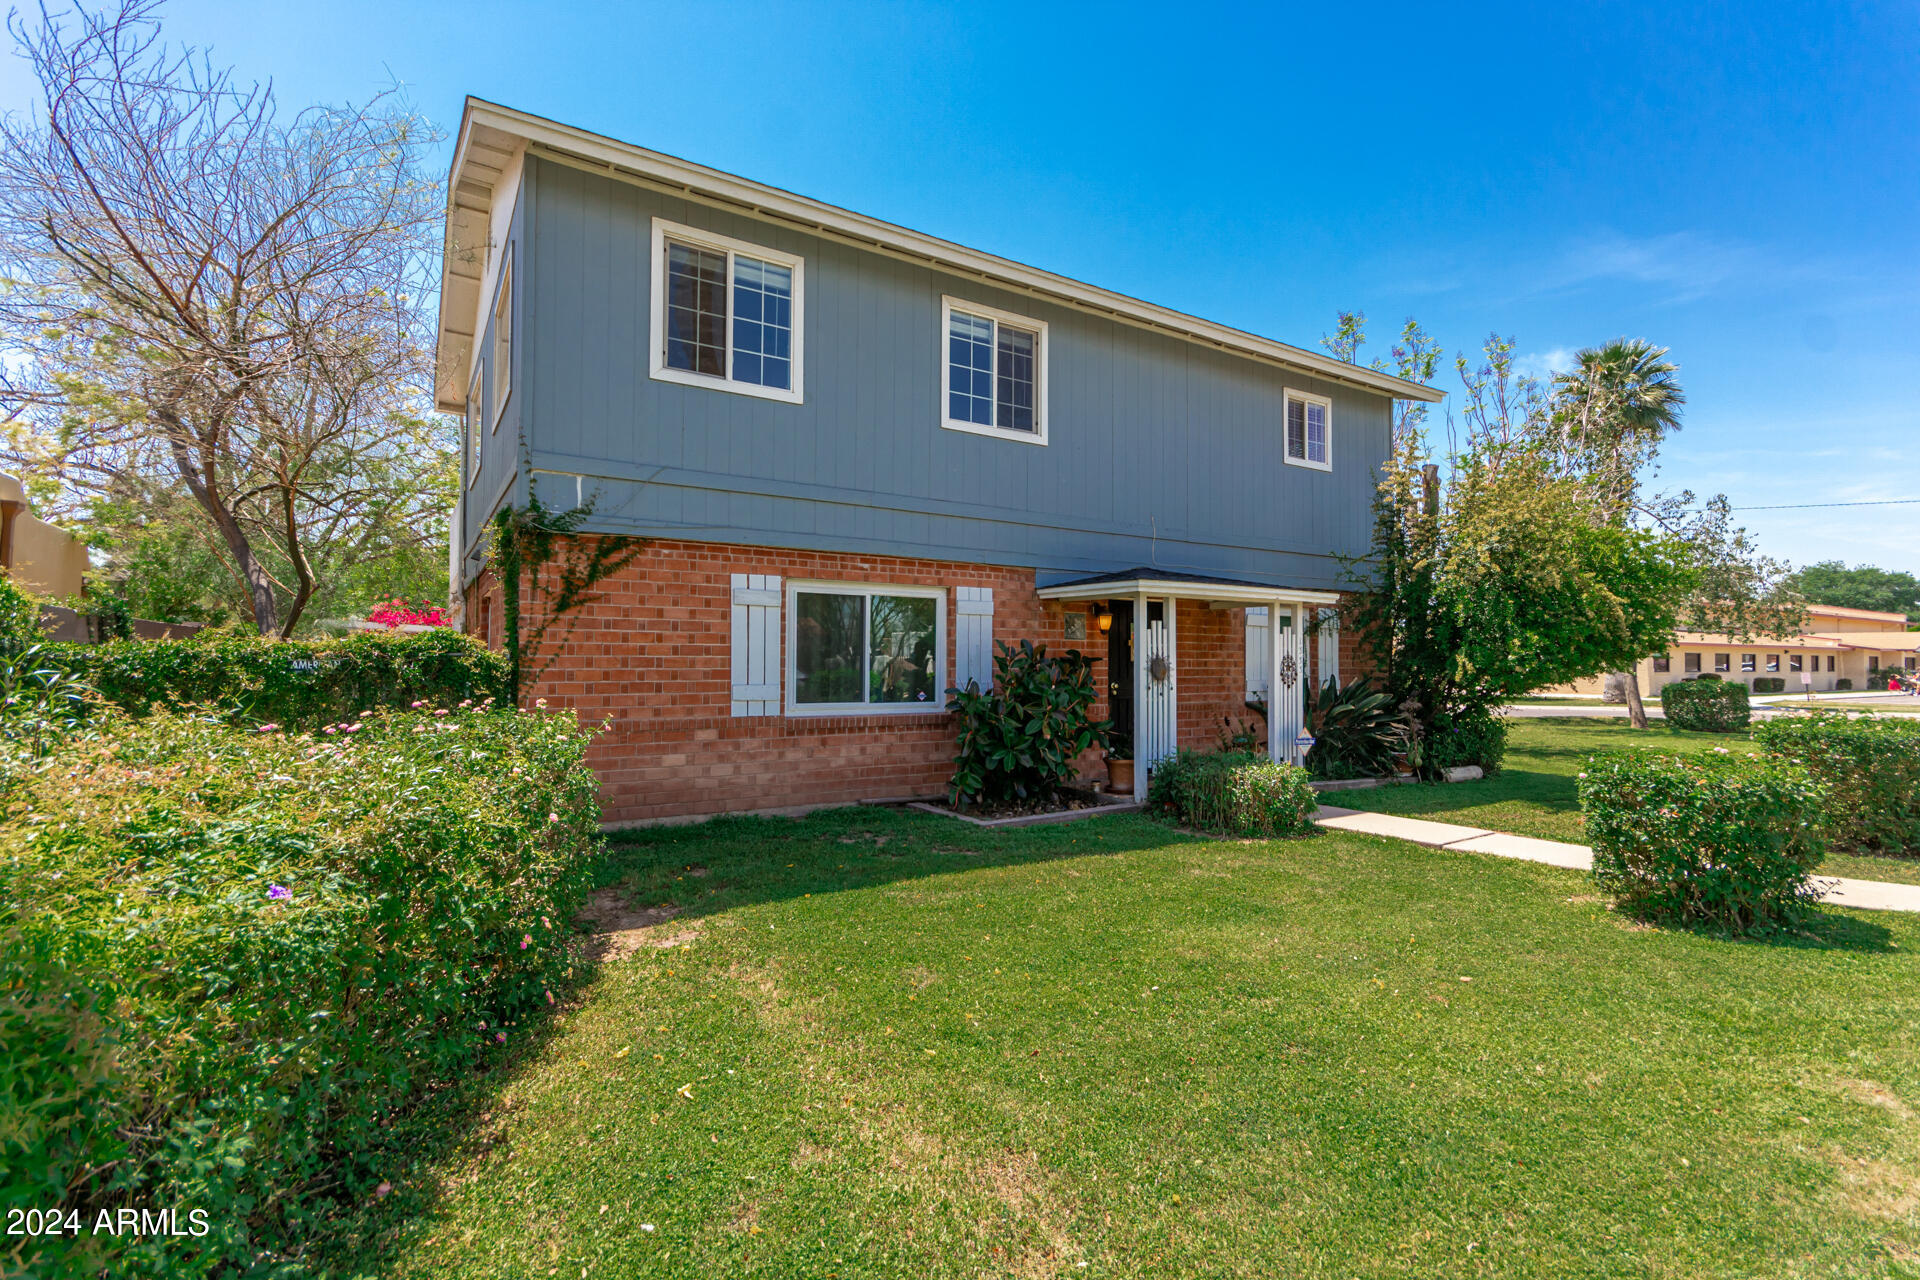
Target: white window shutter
973 632
1259 640
1328 646
756 644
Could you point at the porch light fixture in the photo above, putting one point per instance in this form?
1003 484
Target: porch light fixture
1105 620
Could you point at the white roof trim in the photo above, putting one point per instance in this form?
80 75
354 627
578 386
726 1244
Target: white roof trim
634 163
1163 588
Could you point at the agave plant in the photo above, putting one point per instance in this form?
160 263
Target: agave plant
1357 731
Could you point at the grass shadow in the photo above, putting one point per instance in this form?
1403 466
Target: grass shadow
730 862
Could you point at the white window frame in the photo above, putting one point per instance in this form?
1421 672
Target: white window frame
664 231
949 305
936 706
1305 397
470 427
502 315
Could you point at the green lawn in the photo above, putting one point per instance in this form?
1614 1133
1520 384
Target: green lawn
886 1044
1534 794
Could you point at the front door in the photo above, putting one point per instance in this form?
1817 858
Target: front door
1120 675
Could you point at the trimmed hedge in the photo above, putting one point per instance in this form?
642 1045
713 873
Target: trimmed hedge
1717 838
1234 793
231 960
1706 706
1870 768
298 683
1769 684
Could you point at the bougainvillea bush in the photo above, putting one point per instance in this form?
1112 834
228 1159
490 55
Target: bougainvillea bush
400 613
230 959
1722 838
1870 767
302 683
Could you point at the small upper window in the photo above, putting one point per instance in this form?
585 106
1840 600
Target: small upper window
503 339
996 372
1309 430
726 314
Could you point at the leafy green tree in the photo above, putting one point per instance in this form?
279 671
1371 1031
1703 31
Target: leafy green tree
1863 586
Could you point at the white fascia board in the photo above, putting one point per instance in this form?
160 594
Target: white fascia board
1159 589
711 186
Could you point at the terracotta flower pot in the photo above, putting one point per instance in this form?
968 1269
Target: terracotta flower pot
1119 776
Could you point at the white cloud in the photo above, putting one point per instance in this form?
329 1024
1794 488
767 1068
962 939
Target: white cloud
1544 364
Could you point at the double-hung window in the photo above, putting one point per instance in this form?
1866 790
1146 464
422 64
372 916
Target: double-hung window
995 372
856 649
726 314
1309 430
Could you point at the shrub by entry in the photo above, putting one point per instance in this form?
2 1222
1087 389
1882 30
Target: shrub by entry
1718 838
1706 706
1233 792
1020 739
1870 768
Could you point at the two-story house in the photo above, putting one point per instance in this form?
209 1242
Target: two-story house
860 455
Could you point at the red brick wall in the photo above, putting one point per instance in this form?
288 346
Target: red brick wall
651 660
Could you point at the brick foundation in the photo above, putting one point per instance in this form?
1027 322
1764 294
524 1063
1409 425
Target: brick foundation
651 660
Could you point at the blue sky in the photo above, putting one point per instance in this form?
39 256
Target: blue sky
1738 183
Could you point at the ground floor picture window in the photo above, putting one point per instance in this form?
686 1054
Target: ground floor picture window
1722 662
858 648
1692 663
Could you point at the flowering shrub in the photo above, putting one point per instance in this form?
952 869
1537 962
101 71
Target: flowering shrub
1722 838
231 959
303 683
1870 768
1706 706
1233 792
399 613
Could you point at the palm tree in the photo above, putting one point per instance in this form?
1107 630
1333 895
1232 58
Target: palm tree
1613 408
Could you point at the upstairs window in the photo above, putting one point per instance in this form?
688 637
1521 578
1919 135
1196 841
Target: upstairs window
1309 431
726 314
472 431
503 339
995 366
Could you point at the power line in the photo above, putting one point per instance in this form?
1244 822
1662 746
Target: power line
1805 506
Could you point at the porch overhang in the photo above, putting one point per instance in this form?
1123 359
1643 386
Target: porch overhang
1159 584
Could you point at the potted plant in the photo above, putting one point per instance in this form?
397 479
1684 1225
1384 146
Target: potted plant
1119 760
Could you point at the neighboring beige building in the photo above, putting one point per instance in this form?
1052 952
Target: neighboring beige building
1839 644
42 558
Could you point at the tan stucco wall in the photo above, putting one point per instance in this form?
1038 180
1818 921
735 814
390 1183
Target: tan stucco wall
47 560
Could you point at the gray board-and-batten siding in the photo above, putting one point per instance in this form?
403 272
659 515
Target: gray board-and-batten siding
1161 452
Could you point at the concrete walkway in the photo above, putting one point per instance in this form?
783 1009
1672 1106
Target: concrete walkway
1870 895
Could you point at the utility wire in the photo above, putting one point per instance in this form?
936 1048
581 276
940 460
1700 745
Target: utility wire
1805 506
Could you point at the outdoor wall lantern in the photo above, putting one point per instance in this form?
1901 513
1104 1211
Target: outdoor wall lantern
1105 621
